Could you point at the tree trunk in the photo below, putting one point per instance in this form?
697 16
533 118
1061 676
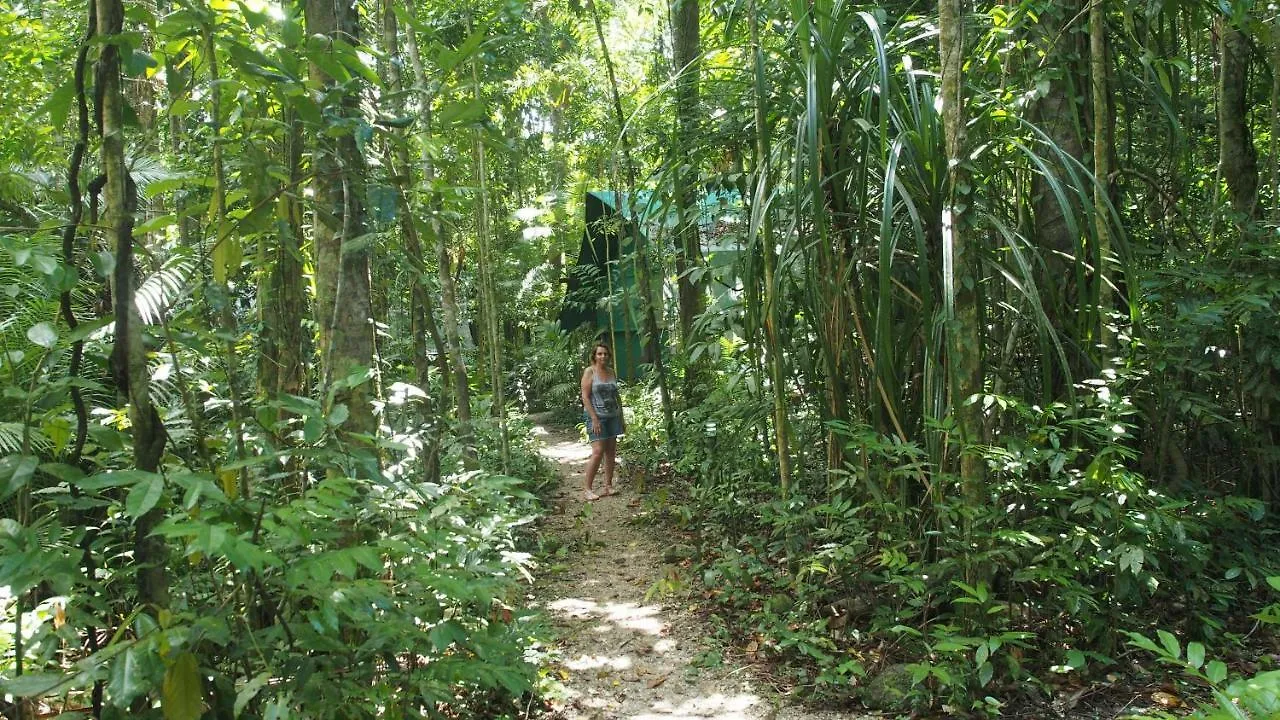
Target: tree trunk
644 275
421 321
691 293
448 293
284 337
1058 115
762 219
488 290
1275 120
964 346
1102 151
129 355
1237 158
343 304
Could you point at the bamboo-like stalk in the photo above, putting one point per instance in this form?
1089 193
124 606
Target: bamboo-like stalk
487 289
762 232
226 256
1102 149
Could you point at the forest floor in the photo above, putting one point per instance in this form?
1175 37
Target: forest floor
619 654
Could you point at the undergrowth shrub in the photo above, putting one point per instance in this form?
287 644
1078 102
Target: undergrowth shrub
327 594
885 566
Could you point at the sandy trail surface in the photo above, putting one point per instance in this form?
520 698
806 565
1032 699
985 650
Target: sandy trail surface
618 654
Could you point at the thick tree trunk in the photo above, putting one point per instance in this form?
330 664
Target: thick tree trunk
1058 115
343 303
129 355
691 293
1237 158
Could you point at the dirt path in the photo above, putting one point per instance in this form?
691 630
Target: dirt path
619 655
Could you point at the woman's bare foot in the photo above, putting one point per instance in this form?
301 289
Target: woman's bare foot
591 497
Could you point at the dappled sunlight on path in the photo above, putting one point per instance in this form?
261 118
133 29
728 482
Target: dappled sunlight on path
620 654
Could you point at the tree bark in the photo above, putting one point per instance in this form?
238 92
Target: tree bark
1237 157
691 293
960 252
129 355
1058 115
343 302
1102 152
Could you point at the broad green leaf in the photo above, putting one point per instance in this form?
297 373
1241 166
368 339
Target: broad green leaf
1274 581
1170 643
133 674
182 695
45 264
1216 671
248 691
112 478
313 429
31 685
227 255
338 415
144 496
1195 655
16 472
43 334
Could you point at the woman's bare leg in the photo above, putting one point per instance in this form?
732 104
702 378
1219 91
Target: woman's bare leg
610 460
597 451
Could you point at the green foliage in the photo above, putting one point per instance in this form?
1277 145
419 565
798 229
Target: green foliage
1071 546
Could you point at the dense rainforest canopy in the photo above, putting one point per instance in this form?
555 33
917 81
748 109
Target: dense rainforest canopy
955 327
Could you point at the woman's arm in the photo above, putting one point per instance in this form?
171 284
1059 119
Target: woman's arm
586 396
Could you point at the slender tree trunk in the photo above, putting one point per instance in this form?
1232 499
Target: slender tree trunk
762 219
960 253
644 276
343 301
284 336
448 292
129 355
1237 158
1275 120
421 322
1102 152
691 292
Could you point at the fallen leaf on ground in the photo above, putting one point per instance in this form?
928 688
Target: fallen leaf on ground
1166 699
656 681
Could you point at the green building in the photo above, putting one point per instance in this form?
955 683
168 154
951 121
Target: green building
602 290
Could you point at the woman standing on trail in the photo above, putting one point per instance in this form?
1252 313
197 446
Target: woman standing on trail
603 413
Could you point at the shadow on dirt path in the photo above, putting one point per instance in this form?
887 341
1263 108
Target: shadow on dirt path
618 655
